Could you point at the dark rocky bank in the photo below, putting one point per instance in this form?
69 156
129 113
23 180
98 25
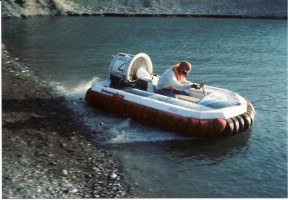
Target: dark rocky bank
46 149
276 9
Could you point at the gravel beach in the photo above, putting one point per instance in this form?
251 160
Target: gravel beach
46 151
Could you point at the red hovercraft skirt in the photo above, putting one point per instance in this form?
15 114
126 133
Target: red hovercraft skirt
184 126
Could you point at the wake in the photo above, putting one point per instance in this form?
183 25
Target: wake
107 127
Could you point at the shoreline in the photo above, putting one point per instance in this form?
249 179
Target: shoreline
42 158
151 15
269 9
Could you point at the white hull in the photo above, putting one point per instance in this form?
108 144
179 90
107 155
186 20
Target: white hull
237 104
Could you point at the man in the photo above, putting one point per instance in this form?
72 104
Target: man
173 81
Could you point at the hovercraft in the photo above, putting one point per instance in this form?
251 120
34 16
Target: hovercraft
131 92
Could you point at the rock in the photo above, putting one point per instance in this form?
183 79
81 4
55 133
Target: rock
74 190
113 176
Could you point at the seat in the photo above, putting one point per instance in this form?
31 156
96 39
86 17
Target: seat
188 98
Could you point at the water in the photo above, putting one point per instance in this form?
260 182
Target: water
247 56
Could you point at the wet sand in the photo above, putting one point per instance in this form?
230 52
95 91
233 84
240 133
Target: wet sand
46 149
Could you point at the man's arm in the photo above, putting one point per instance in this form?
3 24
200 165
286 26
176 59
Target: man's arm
175 83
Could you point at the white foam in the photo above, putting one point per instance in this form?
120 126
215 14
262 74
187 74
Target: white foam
76 91
109 128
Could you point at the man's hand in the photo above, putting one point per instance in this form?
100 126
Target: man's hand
196 86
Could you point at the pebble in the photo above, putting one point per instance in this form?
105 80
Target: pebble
74 190
113 176
65 172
